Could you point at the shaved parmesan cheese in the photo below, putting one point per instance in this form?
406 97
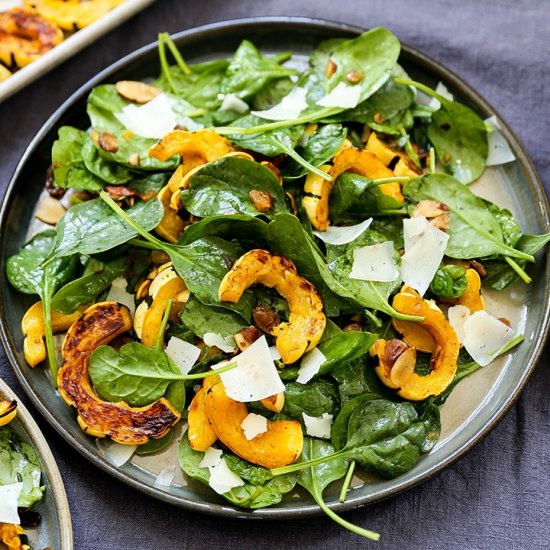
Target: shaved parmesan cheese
256 375
499 150
374 263
222 479
457 317
288 109
413 229
311 363
227 344
343 96
233 103
118 293
153 120
485 336
165 477
120 454
318 426
253 425
275 353
211 457
182 353
421 260
9 496
441 89
343 235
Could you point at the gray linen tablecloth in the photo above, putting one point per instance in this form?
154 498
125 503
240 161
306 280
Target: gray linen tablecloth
495 497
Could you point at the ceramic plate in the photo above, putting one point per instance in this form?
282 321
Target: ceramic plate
55 529
69 47
474 407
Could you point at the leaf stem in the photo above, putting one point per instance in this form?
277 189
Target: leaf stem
432 160
398 179
197 376
303 162
518 269
309 117
164 66
143 244
347 481
47 313
512 344
163 323
346 524
297 466
420 86
177 55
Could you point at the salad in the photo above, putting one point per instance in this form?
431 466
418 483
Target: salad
284 257
20 488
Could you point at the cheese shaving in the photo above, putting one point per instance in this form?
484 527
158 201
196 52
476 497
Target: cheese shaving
374 263
9 497
311 363
343 235
288 109
182 353
342 96
254 425
318 426
120 454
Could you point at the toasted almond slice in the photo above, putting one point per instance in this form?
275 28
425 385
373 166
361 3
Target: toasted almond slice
49 210
139 92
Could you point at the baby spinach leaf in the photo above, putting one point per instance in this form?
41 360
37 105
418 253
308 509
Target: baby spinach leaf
201 318
373 54
314 398
69 169
499 273
149 183
224 187
354 198
271 95
19 463
91 227
251 232
108 172
156 445
103 101
355 378
449 281
474 231
319 149
430 417
511 230
316 478
85 289
261 488
249 71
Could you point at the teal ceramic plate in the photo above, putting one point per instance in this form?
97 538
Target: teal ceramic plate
475 406
55 529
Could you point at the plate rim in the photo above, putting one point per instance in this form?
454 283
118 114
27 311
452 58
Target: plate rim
218 28
49 465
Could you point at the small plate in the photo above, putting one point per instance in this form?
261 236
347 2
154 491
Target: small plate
475 406
55 529
69 47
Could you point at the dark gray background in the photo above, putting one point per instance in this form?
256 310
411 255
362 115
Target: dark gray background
495 497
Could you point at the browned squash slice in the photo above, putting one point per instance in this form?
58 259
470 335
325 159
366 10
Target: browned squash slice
279 446
200 433
306 321
8 411
100 324
171 226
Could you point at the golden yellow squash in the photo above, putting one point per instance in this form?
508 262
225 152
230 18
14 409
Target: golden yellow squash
279 446
306 321
8 411
101 323
200 433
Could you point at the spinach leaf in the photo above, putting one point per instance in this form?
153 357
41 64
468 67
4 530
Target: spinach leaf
314 398
108 172
201 318
19 463
251 232
430 417
271 95
355 378
511 230
373 54
261 488
102 102
449 281
354 198
319 149
249 71
156 445
316 478
200 87
474 231
85 289
499 273
69 169
224 187
91 227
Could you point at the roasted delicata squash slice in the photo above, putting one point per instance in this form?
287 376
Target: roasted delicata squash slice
444 355
13 536
8 411
100 324
72 15
306 321
5 73
200 434
171 226
34 332
402 164
364 163
25 36
279 446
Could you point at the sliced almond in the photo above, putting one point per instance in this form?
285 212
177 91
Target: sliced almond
49 210
403 367
139 92
134 160
108 142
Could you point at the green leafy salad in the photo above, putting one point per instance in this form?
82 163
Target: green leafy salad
284 256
